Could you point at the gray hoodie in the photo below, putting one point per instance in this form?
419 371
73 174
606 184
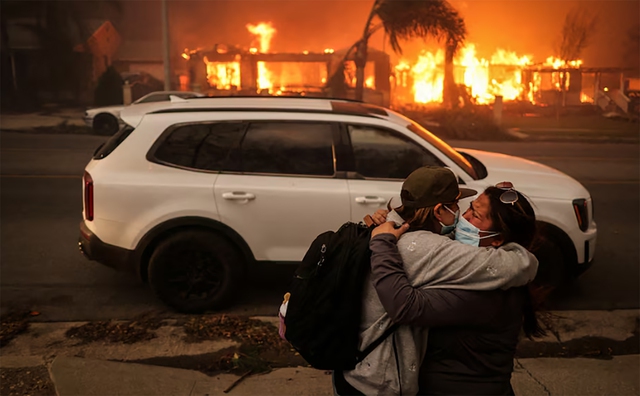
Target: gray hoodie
430 261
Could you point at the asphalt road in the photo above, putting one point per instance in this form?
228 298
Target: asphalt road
40 209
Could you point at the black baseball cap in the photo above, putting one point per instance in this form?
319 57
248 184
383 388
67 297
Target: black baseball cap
431 185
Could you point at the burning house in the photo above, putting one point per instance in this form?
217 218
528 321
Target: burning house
234 70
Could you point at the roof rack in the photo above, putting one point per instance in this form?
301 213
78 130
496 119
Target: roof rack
278 96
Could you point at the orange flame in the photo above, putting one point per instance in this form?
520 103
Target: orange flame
484 79
223 75
264 31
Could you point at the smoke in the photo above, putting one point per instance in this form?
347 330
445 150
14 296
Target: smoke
526 27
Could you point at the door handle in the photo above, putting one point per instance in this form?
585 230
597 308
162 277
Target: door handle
238 196
370 199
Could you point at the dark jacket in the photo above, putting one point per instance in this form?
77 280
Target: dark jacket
473 334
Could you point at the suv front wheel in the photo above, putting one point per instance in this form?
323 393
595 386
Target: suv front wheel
195 271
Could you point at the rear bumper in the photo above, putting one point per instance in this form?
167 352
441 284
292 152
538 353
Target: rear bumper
112 256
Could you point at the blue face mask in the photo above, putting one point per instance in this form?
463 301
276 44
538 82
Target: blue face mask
447 229
469 234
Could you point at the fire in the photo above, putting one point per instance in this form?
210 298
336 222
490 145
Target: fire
505 73
264 31
369 83
501 75
223 75
559 63
428 77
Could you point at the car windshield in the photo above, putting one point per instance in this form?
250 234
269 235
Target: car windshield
444 148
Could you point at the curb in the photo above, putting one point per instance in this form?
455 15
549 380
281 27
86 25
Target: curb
564 135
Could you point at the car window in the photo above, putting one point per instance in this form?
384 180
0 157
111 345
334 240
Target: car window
213 152
443 147
180 147
384 154
114 141
286 148
200 146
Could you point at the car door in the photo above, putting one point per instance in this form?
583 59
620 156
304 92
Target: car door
279 189
382 159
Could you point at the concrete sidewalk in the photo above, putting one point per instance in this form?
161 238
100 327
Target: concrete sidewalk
102 368
28 121
544 376
576 135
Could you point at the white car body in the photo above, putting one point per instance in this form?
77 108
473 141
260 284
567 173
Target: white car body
276 216
91 114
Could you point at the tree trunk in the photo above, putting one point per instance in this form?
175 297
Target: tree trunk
361 62
361 52
449 89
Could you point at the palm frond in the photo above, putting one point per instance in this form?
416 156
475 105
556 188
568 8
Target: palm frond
408 19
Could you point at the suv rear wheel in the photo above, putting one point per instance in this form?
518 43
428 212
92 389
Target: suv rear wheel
194 271
105 124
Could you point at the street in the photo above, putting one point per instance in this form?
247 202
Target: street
42 269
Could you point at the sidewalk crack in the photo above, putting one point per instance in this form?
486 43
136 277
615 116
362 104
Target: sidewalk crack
519 365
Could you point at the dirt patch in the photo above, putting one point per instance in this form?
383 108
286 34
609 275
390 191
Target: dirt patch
585 347
13 324
261 347
26 381
140 329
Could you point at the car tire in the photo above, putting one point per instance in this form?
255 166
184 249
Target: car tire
105 124
195 271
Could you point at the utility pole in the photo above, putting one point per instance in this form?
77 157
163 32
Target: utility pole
166 47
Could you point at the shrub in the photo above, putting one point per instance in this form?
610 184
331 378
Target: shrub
472 122
109 88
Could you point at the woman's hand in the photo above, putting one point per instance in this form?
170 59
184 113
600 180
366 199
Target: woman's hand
390 228
380 216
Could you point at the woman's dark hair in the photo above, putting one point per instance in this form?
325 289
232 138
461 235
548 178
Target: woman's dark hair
516 222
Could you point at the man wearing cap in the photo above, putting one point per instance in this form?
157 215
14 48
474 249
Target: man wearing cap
431 260
431 185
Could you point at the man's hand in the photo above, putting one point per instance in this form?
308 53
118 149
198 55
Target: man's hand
390 228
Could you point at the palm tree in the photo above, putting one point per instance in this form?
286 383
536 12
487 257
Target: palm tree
408 19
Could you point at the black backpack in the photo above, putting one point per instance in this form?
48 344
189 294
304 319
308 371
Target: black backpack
325 307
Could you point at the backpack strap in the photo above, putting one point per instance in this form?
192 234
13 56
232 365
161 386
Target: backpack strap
361 355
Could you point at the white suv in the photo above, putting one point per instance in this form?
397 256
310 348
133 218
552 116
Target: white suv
192 193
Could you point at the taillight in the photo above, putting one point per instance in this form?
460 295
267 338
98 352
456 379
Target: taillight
88 196
582 213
